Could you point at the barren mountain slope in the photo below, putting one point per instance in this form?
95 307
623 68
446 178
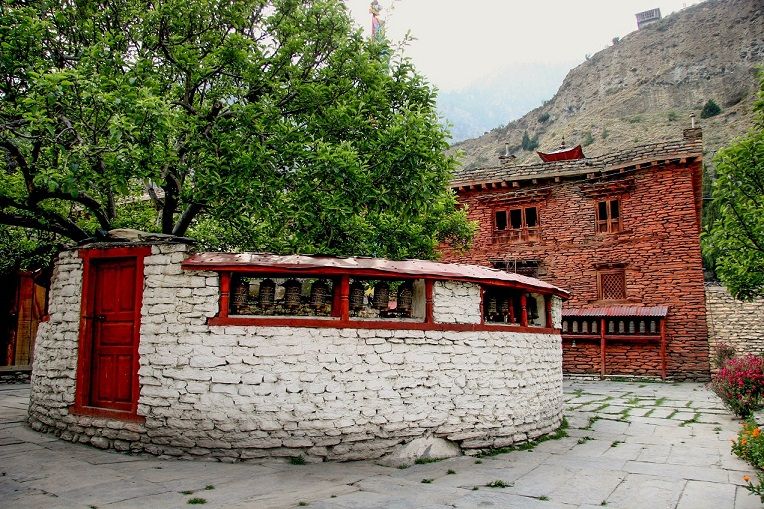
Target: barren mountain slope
644 87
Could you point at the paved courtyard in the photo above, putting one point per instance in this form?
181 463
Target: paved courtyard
630 445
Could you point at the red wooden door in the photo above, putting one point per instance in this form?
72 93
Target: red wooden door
113 360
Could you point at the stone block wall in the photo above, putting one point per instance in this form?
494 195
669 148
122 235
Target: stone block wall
735 322
449 299
240 392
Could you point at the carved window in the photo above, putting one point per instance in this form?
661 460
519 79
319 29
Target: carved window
517 224
611 284
609 216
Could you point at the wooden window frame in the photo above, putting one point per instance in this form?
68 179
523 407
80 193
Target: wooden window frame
610 225
612 271
523 234
83 380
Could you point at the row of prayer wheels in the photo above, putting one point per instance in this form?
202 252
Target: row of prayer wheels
319 294
381 298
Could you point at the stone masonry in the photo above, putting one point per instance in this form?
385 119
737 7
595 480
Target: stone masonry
240 392
737 323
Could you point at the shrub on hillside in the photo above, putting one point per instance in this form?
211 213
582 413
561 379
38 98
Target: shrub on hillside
740 384
710 109
529 143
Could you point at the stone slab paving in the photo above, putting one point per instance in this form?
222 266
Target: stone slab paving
630 445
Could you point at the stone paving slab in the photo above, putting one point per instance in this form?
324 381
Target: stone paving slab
630 445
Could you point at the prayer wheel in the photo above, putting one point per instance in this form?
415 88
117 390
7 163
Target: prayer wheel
267 294
381 295
292 291
356 296
405 296
318 292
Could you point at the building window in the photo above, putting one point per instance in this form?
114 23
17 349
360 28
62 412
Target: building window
611 284
609 216
517 224
528 268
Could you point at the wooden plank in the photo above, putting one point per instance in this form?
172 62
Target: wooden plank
663 348
602 348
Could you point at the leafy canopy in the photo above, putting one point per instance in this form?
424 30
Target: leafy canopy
735 240
255 124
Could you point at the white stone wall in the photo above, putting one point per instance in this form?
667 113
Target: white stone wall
735 322
456 302
556 312
55 359
239 392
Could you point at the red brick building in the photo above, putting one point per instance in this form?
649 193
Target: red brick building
621 232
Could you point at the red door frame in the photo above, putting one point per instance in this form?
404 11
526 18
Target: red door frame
83 379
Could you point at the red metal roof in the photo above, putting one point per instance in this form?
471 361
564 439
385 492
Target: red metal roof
562 154
379 267
658 311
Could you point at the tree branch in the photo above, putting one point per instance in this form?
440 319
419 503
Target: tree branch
83 199
746 229
21 161
185 219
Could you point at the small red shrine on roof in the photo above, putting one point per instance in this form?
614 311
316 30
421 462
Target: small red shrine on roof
562 154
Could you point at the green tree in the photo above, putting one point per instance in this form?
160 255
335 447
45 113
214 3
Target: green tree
710 109
735 239
255 124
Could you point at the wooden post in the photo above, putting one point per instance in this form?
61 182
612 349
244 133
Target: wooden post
225 294
524 310
548 309
511 309
428 311
344 299
663 348
602 347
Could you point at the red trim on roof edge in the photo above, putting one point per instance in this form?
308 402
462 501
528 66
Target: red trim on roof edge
656 311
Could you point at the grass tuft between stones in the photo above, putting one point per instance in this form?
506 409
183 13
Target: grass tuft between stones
498 483
426 481
424 461
197 501
297 460
559 433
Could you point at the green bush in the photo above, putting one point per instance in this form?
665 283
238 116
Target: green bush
710 109
588 139
529 143
543 117
672 116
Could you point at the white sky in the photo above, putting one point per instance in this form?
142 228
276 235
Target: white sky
461 41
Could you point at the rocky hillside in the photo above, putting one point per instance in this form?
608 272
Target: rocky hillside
644 87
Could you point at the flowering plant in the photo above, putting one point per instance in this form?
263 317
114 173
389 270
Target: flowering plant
750 447
740 384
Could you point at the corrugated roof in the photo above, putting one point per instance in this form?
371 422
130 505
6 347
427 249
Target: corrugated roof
641 155
379 267
604 311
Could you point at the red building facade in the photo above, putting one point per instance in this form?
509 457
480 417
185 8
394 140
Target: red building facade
621 232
